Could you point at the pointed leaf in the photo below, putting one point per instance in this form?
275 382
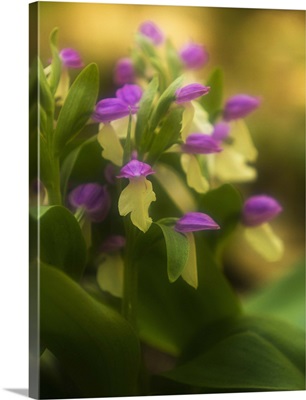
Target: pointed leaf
61 240
213 102
177 251
78 106
55 74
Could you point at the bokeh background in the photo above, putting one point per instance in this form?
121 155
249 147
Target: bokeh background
262 52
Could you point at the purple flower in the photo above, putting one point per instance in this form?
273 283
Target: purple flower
152 32
259 209
124 71
221 131
195 221
113 243
111 109
130 94
193 55
240 106
134 169
71 58
190 92
94 198
199 143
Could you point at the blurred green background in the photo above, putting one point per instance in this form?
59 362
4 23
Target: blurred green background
262 52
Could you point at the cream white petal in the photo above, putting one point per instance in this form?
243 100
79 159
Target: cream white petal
242 140
110 274
231 166
194 176
136 199
109 141
265 242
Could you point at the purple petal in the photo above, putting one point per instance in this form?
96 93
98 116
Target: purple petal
152 32
193 55
124 71
260 209
71 58
221 131
130 94
110 173
113 243
191 92
240 106
134 169
111 109
94 198
195 221
199 143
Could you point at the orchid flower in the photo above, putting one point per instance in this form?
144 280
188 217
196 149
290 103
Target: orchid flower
257 211
189 223
138 195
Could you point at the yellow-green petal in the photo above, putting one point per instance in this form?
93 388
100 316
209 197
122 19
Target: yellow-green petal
231 166
63 87
110 274
112 148
194 176
187 118
136 199
243 142
265 242
121 126
190 271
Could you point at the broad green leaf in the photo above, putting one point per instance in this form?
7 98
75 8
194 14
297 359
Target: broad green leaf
212 103
167 136
177 251
145 109
55 73
284 299
77 107
255 355
94 345
224 206
170 314
61 240
164 102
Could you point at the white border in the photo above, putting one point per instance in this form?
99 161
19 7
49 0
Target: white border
14 197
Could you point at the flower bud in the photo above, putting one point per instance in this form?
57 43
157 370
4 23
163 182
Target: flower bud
195 221
113 243
71 58
152 32
124 71
240 106
259 209
94 198
193 55
190 92
221 131
199 143
108 110
130 94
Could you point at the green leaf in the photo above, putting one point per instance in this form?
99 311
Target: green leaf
224 206
164 102
284 299
128 145
212 103
170 314
146 46
61 240
255 355
55 73
94 345
77 107
46 97
45 161
167 136
69 163
173 60
177 251
145 109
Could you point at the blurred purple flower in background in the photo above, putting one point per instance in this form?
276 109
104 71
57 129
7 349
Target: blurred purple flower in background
199 143
71 58
124 71
193 55
260 209
152 32
239 106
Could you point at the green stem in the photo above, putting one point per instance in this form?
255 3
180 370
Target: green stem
130 280
54 189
